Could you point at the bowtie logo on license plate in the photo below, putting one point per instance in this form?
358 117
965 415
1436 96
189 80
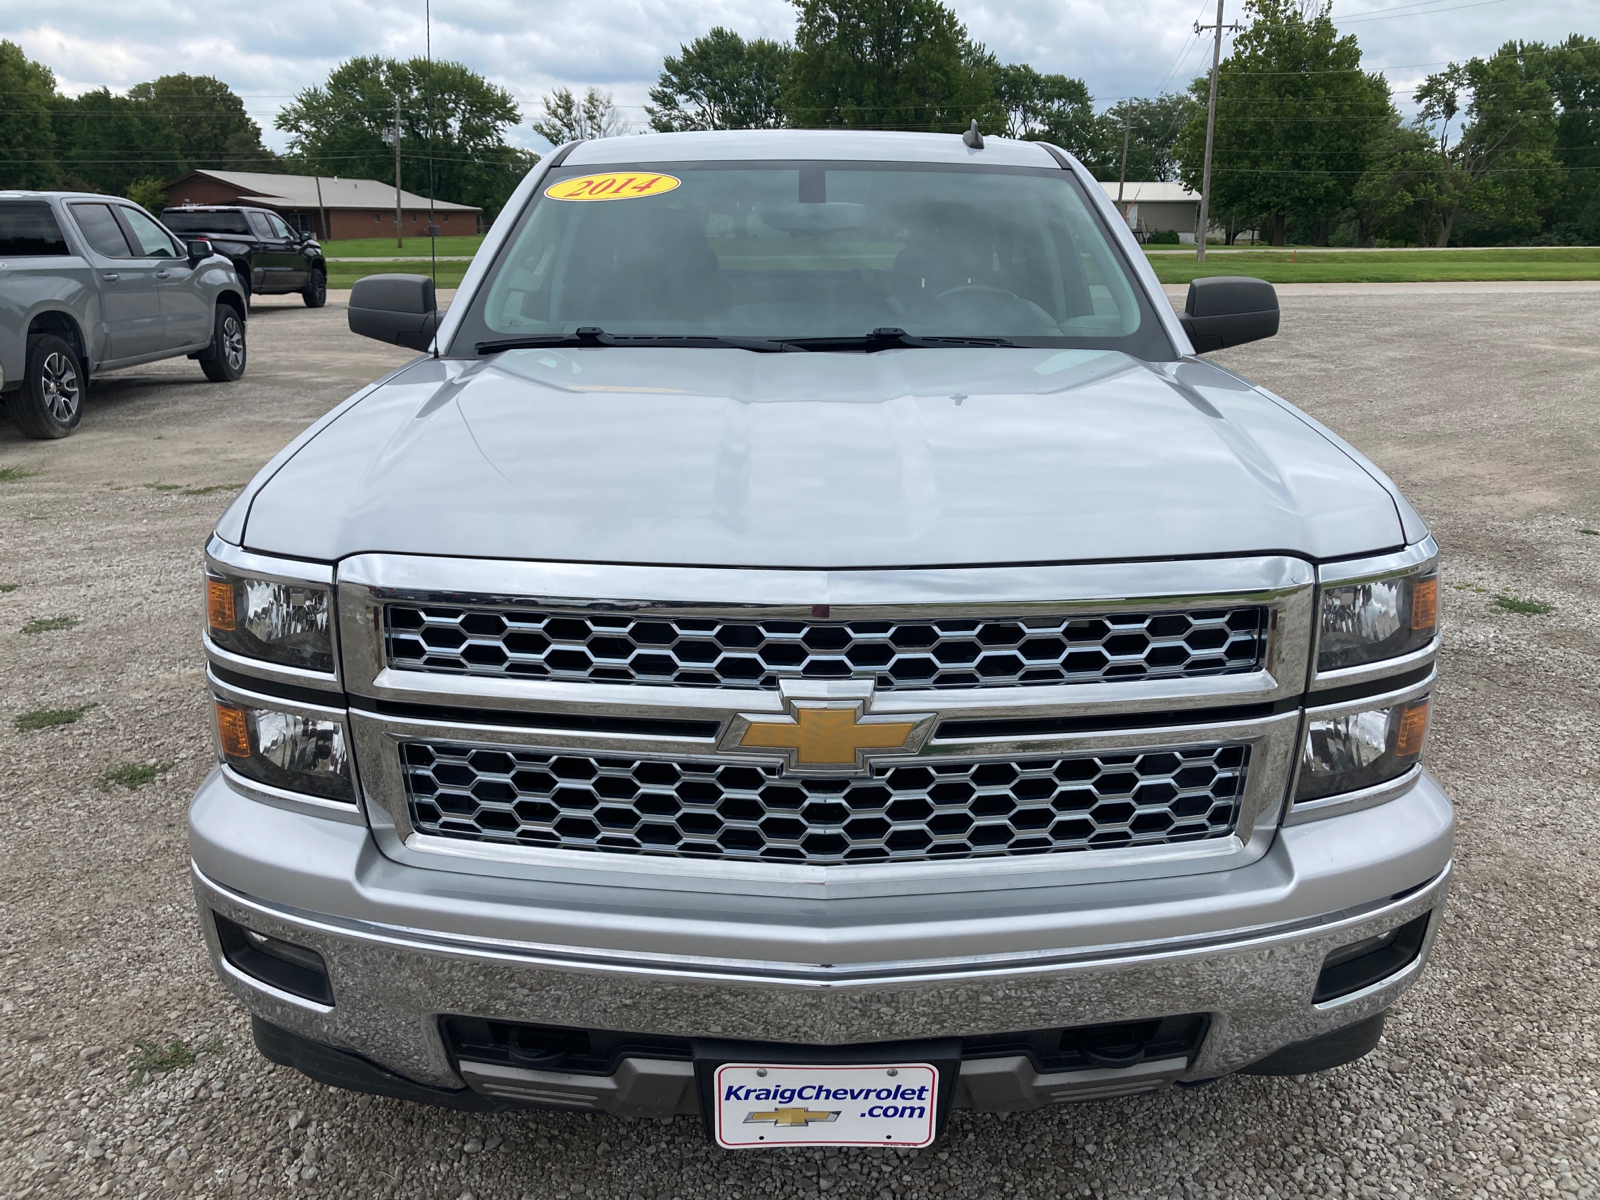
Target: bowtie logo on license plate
790 1116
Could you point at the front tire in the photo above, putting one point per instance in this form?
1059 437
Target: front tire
50 402
223 360
316 291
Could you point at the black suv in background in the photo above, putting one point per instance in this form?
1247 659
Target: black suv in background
269 257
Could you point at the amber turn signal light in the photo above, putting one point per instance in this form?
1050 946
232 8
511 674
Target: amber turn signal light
1425 603
219 604
1413 727
233 730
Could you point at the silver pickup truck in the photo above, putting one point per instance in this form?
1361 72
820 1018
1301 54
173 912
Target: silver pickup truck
89 283
811 646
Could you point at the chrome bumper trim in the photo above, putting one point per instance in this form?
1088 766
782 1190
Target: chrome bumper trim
391 986
661 1088
641 1087
1012 1084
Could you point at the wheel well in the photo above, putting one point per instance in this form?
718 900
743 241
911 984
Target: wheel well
242 270
320 264
234 301
63 326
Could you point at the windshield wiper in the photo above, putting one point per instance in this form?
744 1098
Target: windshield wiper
883 338
589 335
887 337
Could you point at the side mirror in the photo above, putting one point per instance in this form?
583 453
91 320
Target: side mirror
200 249
1229 310
397 309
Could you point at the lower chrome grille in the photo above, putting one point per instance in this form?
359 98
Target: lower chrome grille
935 809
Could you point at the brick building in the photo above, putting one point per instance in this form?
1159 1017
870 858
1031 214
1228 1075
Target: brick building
328 207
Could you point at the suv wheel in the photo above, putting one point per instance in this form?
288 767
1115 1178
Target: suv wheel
50 403
223 360
316 290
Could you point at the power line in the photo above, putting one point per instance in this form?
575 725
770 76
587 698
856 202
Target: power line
1424 13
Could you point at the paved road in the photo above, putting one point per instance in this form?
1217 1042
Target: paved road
1482 403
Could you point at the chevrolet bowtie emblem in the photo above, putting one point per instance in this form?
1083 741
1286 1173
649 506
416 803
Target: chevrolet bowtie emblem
829 737
790 1116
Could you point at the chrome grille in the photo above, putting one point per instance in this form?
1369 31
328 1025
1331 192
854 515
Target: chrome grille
939 653
921 810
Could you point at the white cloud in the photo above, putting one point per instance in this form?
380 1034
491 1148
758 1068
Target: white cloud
268 52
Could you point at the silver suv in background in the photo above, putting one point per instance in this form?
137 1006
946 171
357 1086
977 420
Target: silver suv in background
90 283
812 645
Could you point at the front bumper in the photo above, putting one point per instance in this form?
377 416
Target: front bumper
405 946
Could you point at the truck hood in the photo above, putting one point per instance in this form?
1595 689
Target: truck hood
906 457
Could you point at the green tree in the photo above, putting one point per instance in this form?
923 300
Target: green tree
1404 191
105 142
208 122
887 64
721 81
570 119
1154 126
346 127
1572 70
1295 112
27 131
1050 108
1502 167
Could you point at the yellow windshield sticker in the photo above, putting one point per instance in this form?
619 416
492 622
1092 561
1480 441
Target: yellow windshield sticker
613 185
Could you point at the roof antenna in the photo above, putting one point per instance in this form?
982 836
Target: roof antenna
972 137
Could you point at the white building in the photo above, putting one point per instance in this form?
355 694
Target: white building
1151 207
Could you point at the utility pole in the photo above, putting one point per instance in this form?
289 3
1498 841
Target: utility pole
1127 125
1211 133
400 229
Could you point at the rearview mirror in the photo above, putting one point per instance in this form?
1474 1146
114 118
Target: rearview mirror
398 309
1229 310
200 249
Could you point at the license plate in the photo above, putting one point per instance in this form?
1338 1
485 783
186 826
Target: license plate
774 1105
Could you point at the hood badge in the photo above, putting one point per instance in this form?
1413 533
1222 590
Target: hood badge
830 733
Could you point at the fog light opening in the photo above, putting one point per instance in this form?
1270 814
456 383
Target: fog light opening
1371 960
298 970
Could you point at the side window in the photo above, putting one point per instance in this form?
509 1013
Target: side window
154 241
100 230
279 229
28 230
259 224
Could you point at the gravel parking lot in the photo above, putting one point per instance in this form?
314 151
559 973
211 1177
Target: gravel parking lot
125 1070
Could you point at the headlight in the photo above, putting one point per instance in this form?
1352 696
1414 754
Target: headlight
285 623
1356 750
1384 618
286 750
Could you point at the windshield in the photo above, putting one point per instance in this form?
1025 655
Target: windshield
204 222
805 250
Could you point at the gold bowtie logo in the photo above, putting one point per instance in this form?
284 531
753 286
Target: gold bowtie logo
826 737
790 1116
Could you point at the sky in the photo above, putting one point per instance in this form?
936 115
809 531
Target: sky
1120 48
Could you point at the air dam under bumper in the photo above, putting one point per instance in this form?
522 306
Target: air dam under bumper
395 972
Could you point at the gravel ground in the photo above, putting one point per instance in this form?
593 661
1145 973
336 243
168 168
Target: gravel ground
125 1070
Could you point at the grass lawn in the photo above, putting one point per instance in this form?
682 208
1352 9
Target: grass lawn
1332 266
343 275
377 247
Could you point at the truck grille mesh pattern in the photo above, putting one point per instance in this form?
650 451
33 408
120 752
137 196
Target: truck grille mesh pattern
940 653
902 812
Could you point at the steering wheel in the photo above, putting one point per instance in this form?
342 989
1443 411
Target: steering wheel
976 289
